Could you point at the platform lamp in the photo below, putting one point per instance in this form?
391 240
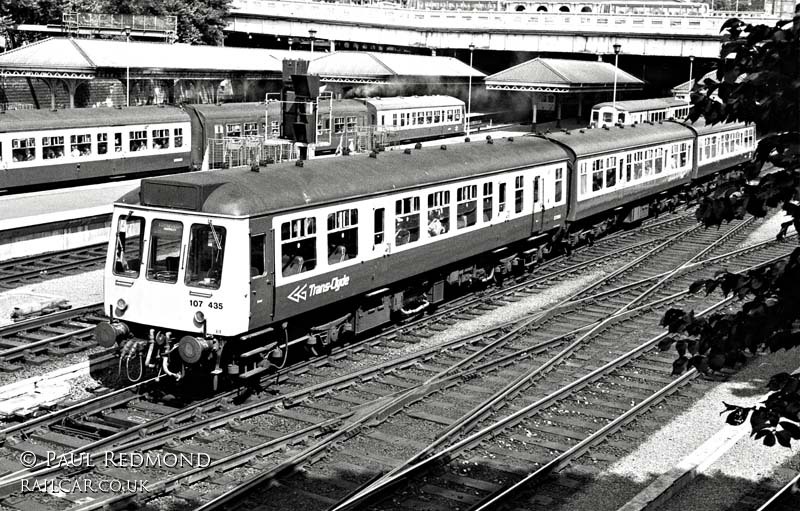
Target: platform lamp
469 91
311 34
617 48
689 87
127 66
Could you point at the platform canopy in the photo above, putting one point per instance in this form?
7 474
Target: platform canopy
372 67
562 76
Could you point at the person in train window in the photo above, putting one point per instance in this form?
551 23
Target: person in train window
29 155
435 226
58 152
75 152
49 154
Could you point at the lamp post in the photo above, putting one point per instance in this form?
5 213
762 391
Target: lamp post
689 87
469 91
127 67
617 48
311 34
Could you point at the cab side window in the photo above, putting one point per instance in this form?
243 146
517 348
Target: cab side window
298 246
258 252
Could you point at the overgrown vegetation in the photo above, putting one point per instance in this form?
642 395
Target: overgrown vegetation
758 81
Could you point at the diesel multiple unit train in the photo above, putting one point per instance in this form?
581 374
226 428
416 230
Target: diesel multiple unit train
43 147
215 274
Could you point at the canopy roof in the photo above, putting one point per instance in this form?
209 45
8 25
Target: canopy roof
353 66
561 75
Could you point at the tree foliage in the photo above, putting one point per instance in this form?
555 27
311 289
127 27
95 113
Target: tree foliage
199 21
758 81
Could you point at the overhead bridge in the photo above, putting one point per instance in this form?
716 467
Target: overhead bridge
567 32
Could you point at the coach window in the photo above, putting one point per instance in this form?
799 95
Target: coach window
22 149
351 123
684 151
648 162
178 132
160 139
251 129
458 115
298 246
621 118
518 197
165 251
450 116
128 246
338 124
659 162
117 142
487 202
467 206
436 116
233 130
406 224
611 171
138 140
595 117
608 117
394 119
258 253
219 131
558 184
428 116
583 178
52 147
80 145
637 165
438 213
402 119
597 175
206 252
342 235
102 143
501 197
378 224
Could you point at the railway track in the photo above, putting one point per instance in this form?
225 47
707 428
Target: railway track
158 424
26 270
38 340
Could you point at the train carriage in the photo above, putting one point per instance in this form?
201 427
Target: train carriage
220 121
637 111
416 117
42 146
721 146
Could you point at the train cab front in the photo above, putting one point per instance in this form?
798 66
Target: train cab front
175 292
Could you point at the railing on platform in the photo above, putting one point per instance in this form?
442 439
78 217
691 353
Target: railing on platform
229 152
167 25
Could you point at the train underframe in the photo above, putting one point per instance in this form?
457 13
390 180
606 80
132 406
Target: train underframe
208 361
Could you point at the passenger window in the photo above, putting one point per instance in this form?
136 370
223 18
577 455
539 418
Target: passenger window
233 130
102 143
251 129
117 142
206 252
406 224
487 202
467 206
648 162
378 239
628 167
637 165
80 145
52 147
128 246
161 139
138 140
218 131
342 236
22 149
165 251
659 160
258 264
583 178
438 213
501 197
597 175
558 184
518 197
298 246
536 189
178 132
608 116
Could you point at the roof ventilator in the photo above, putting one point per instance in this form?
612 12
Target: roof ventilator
510 139
443 148
298 163
407 151
373 154
489 139
605 128
418 145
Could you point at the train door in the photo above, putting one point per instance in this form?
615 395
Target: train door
379 241
538 204
261 274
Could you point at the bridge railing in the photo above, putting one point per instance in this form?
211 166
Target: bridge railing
521 22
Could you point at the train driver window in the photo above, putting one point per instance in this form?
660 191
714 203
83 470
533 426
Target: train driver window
165 251
342 236
206 253
22 149
102 143
258 265
80 145
438 213
466 206
487 202
52 147
298 246
128 246
608 117
406 223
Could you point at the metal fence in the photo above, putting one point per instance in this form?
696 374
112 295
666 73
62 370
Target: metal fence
168 25
230 152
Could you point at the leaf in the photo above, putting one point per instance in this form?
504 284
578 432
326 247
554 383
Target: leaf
679 366
665 344
737 417
769 439
784 438
791 428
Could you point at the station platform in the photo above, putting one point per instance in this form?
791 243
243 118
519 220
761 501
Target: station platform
48 221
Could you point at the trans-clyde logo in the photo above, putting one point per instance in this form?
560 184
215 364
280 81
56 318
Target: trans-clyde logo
302 293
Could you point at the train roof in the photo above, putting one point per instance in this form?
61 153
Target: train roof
226 110
241 192
702 128
413 102
588 142
640 105
27 120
